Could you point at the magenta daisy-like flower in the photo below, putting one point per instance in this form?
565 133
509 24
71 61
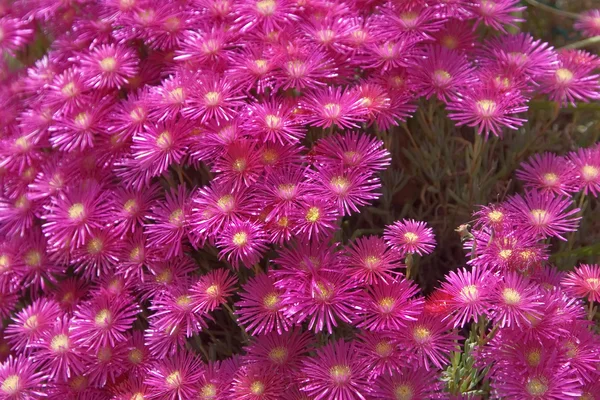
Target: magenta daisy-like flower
131 207
99 254
443 73
267 15
19 379
589 22
467 295
281 351
571 82
543 214
548 172
307 68
409 236
260 309
254 68
334 106
8 298
108 66
390 306
161 145
428 340
166 275
242 242
14 33
380 352
337 372
251 382
171 218
105 364
408 384
487 109
584 282
175 378
174 310
167 100
30 324
212 290
240 165
348 190
314 218
17 215
544 382
211 97
274 121
587 170
353 150
103 321
371 261
33 266
498 14
515 301
457 37
207 48
383 108
322 300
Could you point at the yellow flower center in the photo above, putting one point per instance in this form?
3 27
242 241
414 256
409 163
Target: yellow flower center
286 190
103 318
505 254
83 120
269 156
32 323
340 374
172 24
69 90
332 110
278 355
266 7
76 211
511 296
534 357
138 396
177 217
208 392
135 356
138 114
131 206
184 301
177 95
33 258
257 388
469 293
387 304
225 203
589 172
212 99
313 214
550 179
371 262
240 239
296 68
213 290
486 108
137 254
537 386
323 292
441 76
449 42
495 216
403 392
174 379
164 141
271 300
22 143
283 222
411 237
421 334
95 246
572 349
108 64
539 216
239 164
11 385
60 343
593 283
261 65
340 184
383 348
79 383
326 36
563 75
273 121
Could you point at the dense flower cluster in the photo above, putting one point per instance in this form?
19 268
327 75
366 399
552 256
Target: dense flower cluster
272 103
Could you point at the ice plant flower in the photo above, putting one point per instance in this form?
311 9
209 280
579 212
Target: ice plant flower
584 282
409 236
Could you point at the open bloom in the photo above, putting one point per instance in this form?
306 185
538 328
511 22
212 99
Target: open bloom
467 295
584 282
333 106
20 380
549 173
589 22
108 66
243 243
409 236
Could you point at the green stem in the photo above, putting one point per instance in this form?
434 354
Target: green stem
552 10
591 311
409 263
583 43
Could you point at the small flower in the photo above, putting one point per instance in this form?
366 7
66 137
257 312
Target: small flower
243 243
174 378
381 353
467 295
584 282
428 340
268 15
571 82
370 260
353 150
211 97
498 13
57 351
333 106
99 254
589 23
175 310
390 306
103 321
282 351
108 66
260 309
31 323
544 214
274 121
408 384
337 372
14 34
587 170
515 301
239 166
548 173
212 290
314 218
487 109
409 236
254 383
19 379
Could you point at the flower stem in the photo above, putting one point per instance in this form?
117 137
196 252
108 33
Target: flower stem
552 10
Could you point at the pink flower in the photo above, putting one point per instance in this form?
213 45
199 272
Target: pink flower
20 380
31 323
587 170
371 261
282 351
548 173
337 372
314 218
174 378
242 243
212 290
211 97
515 300
408 383
274 121
498 14
252 382
333 106
353 150
589 23
260 309
15 34
584 282
409 236
108 66
267 15
571 82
